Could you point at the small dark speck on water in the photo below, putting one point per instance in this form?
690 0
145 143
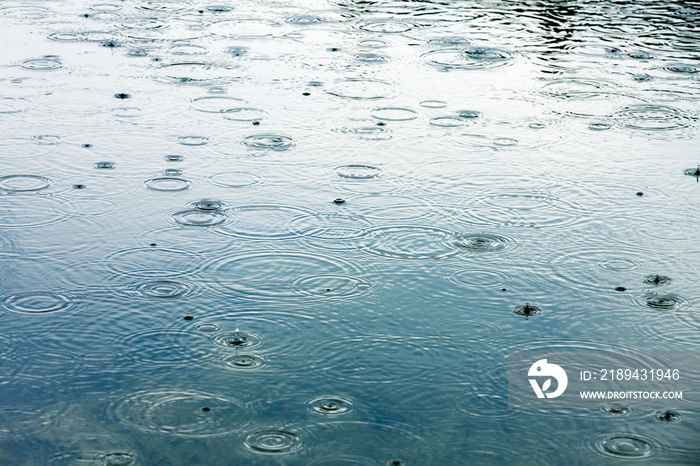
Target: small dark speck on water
305 93
188 318
78 186
153 244
328 289
381 123
87 146
256 123
504 289
620 288
206 409
155 59
86 15
122 96
640 194
339 201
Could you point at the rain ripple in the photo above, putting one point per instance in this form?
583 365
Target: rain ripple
180 412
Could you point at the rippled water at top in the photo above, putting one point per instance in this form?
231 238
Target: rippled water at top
310 232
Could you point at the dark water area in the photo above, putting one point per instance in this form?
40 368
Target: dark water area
310 232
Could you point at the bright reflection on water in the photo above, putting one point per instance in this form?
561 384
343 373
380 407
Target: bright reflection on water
309 232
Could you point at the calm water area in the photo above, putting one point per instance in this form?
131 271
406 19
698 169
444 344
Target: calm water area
309 232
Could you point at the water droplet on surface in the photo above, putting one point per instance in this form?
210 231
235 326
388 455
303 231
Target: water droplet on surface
599 126
667 416
661 302
617 409
468 114
193 140
527 310
331 405
657 279
692 171
358 172
276 142
244 361
480 242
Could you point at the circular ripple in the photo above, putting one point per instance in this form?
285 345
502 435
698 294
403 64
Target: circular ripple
652 118
217 104
358 172
23 422
433 104
332 405
599 269
283 275
371 132
446 122
626 446
599 126
238 340
163 289
46 63
236 179
410 242
262 221
521 208
167 183
388 27
180 412
360 89
245 362
662 302
46 139
682 69
472 58
199 217
245 114
37 302
480 242
192 140
471 278
275 142
273 442
331 286
617 409
23 183
14 104
394 114
153 262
